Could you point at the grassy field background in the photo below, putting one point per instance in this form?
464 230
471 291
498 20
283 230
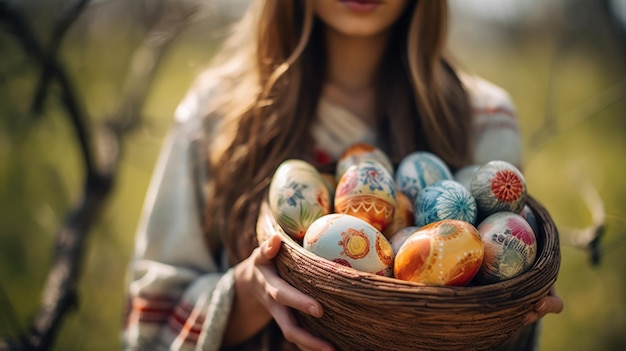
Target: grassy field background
40 170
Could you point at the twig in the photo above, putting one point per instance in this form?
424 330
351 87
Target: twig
574 118
48 70
21 29
60 293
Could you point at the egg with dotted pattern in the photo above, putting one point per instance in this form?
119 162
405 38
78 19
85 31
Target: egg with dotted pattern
351 242
444 253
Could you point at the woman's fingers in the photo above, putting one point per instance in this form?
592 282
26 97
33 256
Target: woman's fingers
293 333
551 303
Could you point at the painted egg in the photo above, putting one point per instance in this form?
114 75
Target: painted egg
465 174
444 199
510 247
402 216
528 214
498 186
419 169
358 152
448 252
350 241
297 197
399 237
367 191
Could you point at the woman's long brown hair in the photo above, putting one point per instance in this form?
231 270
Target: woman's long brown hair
266 107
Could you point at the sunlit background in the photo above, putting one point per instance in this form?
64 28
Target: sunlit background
563 63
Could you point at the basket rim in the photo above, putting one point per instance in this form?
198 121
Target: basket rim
548 253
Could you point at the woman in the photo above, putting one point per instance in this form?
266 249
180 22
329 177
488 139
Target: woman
298 79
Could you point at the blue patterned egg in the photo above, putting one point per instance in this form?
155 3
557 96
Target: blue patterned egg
510 247
419 169
444 199
351 242
298 196
498 186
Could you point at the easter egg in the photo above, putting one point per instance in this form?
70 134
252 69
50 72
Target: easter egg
528 214
510 247
399 237
350 241
297 197
402 216
366 190
417 170
448 252
498 186
444 199
358 152
465 174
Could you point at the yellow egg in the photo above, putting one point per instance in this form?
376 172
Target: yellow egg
298 196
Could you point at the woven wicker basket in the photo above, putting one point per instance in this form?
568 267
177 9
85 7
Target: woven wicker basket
364 311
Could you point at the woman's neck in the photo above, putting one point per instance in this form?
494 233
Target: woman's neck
352 64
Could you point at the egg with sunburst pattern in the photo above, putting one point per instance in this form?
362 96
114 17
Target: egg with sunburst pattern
444 199
498 186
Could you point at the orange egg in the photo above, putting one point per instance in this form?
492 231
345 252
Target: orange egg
448 252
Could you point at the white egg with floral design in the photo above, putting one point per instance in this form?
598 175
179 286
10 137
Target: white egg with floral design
298 196
351 242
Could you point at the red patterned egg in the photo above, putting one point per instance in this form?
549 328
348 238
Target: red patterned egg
448 252
367 191
298 196
402 216
498 186
358 152
350 241
510 247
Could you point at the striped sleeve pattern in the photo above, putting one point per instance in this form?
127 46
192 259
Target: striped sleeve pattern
179 297
495 125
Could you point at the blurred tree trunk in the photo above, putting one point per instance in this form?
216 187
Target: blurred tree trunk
59 294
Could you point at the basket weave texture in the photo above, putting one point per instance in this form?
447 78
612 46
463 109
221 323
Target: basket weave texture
364 311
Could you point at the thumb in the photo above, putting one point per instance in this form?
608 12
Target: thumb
270 248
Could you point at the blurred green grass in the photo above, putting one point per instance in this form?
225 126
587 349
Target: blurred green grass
41 174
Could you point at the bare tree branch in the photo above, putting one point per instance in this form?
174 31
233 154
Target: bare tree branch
58 34
59 294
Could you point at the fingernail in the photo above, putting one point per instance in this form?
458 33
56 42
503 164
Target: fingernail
541 306
314 311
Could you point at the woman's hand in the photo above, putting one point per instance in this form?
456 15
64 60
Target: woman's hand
552 303
262 295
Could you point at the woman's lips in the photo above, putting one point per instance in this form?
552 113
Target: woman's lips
361 5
